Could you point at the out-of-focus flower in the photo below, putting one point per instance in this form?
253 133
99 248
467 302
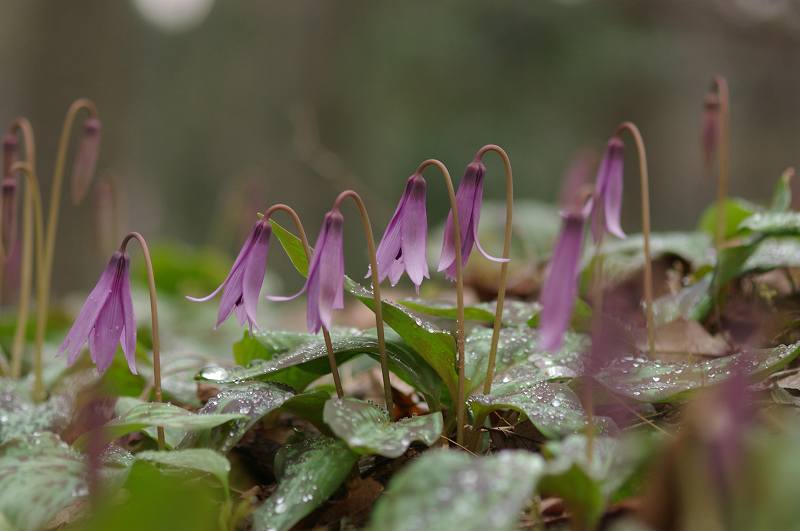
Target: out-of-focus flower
469 198
242 287
608 192
106 318
85 159
325 282
403 245
9 192
561 285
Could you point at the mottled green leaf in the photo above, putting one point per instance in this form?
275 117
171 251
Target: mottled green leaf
253 400
647 380
772 223
308 473
38 482
735 211
367 428
446 489
514 312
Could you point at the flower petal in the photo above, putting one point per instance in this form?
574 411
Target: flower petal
79 333
331 270
470 191
129 319
107 331
254 270
613 196
389 246
415 234
561 287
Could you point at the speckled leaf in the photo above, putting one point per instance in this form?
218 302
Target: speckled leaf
517 350
646 380
692 302
254 400
21 419
199 459
621 258
308 473
446 489
165 415
553 408
306 363
773 253
267 344
772 223
437 347
367 429
39 482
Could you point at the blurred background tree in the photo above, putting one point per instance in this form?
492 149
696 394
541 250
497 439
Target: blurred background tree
214 109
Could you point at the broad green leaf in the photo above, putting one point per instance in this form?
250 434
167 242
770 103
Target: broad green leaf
553 408
647 380
772 223
517 350
268 344
586 484
514 312
310 405
437 347
35 484
730 262
735 211
306 363
367 428
773 253
446 489
158 414
172 436
253 400
308 473
21 419
622 258
200 459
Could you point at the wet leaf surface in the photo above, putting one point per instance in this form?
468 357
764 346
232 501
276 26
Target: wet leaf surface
199 459
447 489
309 472
367 428
253 400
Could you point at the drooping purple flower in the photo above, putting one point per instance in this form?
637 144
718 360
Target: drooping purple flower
469 198
325 282
242 287
106 318
561 285
403 245
608 192
85 159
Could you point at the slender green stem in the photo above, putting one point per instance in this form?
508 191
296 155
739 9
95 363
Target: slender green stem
50 236
631 128
151 285
337 381
460 400
376 291
501 289
32 189
723 96
31 200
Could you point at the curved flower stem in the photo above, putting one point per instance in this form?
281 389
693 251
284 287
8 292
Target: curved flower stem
460 400
32 215
151 285
337 381
631 128
723 96
52 223
376 292
31 200
501 289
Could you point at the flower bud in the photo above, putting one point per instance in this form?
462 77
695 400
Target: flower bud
85 159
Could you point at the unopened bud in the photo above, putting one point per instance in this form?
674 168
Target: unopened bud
85 159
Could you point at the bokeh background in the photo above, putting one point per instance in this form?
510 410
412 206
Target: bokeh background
213 110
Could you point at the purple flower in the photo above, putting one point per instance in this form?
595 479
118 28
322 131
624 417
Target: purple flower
710 133
561 285
86 159
608 192
403 245
242 287
106 318
469 198
325 282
